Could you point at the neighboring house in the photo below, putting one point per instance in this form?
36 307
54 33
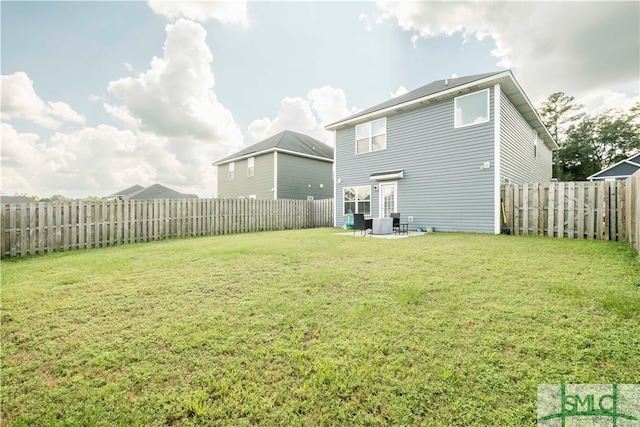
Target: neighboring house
440 153
155 191
16 199
621 170
288 165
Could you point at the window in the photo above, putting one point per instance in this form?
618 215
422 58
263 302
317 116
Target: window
357 200
232 170
472 109
535 143
250 169
371 136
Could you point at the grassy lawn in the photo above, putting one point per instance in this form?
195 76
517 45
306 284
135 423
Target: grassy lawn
311 328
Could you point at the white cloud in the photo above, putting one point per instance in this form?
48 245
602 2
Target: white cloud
174 129
64 112
550 48
226 12
19 153
18 149
400 91
307 115
365 18
101 160
599 101
175 97
20 101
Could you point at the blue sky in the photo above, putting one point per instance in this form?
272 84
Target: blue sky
99 96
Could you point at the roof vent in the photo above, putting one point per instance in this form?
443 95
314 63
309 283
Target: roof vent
446 82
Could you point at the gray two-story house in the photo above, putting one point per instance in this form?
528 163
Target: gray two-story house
440 153
288 165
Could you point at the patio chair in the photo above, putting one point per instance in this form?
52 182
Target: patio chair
396 222
359 223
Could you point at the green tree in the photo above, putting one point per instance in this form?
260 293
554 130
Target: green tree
558 113
597 142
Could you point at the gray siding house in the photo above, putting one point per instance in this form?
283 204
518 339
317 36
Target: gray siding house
155 191
439 154
619 171
288 165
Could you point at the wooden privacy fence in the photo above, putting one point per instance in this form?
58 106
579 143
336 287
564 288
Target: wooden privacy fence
37 228
606 210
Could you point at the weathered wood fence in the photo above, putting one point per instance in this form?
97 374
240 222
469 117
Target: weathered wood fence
38 228
606 210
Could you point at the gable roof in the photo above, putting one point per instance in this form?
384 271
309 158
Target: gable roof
155 191
286 141
16 199
448 88
128 191
623 169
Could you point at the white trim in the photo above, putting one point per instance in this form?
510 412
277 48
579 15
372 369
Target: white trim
355 187
497 116
395 196
455 109
251 167
422 100
592 177
231 171
275 175
613 178
444 93
273 149
335 184
371 136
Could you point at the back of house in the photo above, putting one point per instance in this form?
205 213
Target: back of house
440 153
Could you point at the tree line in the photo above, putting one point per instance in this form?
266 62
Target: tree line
588 142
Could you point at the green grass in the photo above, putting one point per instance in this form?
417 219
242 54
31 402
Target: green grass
311 328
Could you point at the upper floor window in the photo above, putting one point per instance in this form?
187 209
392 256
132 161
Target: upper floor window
472 109
371 136
536 138
232 171
250 169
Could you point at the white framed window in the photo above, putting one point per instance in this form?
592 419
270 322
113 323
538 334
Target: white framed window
357 200
536 138
250 168
472 109
371 136
232 171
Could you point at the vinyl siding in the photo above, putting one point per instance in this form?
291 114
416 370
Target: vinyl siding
623 169
443 185
259 184
517 160
299 177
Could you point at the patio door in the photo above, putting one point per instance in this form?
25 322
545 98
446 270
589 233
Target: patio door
388 199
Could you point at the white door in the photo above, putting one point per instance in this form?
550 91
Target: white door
388 199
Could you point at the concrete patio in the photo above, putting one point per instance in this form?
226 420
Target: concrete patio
358 233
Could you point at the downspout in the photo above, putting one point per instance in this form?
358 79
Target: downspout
497 211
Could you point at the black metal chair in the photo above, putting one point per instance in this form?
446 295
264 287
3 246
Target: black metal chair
359 223
396 222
